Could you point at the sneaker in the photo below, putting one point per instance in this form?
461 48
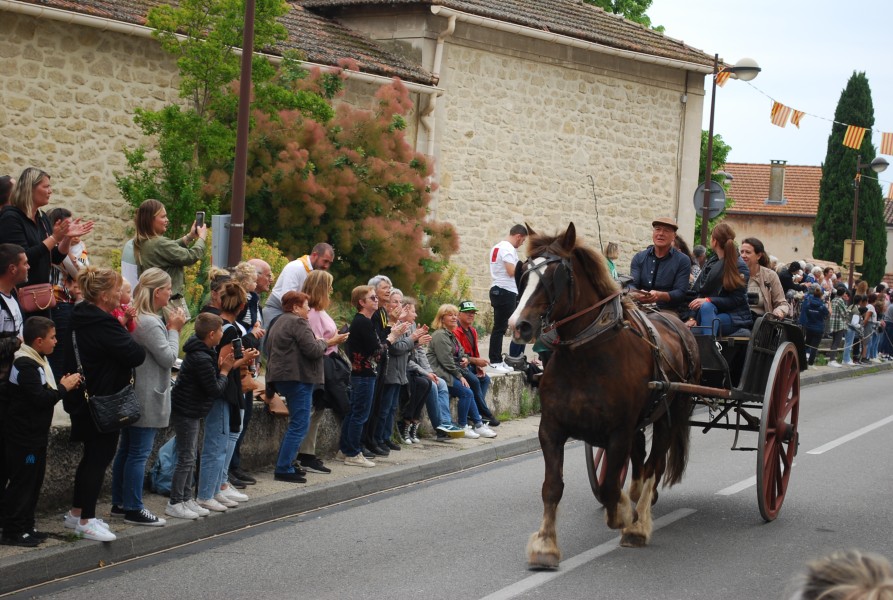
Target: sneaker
471 433
369 453
391 444
441 436
224 500
233 494
212 505
501 367
242 476
455 432
403 430
289 477
414 433
299 469
311 463
117 512
236 482
94 531
849 363
876 361
484 431
199 510
24 540
70 521
834 364
143 517
39 535
492 421
180 511
377 451
339 456
358 461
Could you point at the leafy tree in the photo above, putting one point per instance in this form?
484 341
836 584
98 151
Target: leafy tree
720 154
634 10
834 220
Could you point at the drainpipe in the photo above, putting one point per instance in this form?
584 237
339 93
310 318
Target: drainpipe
427 118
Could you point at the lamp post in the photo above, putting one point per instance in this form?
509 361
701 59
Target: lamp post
745 70
878 165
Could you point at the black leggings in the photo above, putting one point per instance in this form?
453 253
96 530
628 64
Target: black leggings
98 454
413 397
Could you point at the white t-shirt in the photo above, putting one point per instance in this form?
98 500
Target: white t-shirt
292 277
503 253
14 322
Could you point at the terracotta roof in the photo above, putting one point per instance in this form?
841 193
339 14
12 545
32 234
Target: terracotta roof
320 39
567 17
750 190
888 213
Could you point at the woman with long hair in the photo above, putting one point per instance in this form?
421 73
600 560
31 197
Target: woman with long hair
152 249
763 283
106 355
721 302
152 384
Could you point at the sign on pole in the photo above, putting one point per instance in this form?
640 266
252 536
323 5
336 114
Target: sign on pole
860 252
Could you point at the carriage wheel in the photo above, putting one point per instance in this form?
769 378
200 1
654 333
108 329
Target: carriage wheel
595 467
778 430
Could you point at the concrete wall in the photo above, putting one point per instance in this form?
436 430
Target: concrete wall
787 238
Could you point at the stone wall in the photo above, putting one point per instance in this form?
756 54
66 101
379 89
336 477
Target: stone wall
787 239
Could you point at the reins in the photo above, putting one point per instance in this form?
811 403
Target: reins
601 302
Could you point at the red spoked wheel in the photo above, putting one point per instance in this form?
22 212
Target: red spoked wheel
595 467
778 430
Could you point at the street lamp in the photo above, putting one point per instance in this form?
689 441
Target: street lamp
878 165
745 70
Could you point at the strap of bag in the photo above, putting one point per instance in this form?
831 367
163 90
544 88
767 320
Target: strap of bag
77 358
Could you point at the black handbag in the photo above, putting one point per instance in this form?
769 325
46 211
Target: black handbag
112 412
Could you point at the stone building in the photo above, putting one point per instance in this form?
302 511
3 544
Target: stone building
538 112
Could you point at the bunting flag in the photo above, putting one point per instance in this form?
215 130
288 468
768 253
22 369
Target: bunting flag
722 77
795 118
853 136
890 192
887 144
780 114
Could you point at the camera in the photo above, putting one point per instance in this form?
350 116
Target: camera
753 298
237 349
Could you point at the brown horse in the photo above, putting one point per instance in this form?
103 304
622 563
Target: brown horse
595 385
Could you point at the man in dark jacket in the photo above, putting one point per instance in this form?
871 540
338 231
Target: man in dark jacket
660 272
786 276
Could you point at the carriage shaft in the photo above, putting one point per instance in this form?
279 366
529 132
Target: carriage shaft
690 388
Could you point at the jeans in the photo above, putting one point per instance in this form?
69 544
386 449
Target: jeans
479 387
504 303
231 438
848 344
213 449
466 404
438 404
298 397
873 343
390 398
361 394
129 468
186 429
886 344
708 316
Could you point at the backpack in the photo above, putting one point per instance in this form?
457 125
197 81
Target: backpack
163 470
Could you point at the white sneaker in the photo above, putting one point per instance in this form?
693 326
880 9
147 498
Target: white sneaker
179 511
358 461
70 521
224 500
876 361
484 431
232 493
213 505
471 433
834 364
94 531
340 456
199 510
501 367
849 363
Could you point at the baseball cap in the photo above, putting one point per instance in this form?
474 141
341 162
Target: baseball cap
467 306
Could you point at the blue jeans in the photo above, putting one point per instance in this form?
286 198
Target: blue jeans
438 404
479 387
466 404
232 437
873 343
390 398
708 317
361 394
848 344
213 449
298 397
129 468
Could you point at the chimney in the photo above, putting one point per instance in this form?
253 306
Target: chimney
776 182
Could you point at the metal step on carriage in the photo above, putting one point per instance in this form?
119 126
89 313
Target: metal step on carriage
743 377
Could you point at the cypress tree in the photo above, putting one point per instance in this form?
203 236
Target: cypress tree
834 220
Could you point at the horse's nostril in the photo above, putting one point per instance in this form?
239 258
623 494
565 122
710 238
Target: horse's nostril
525 329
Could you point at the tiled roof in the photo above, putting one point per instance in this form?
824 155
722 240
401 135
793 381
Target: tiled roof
573 18
750 189
320 39
888 213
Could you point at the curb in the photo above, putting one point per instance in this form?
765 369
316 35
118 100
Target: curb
46 565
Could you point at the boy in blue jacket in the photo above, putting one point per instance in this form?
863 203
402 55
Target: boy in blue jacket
813 313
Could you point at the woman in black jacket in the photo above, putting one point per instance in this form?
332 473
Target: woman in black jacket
107 355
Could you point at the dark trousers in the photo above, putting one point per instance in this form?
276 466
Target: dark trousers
25 467
61 319
813 339
504 303
413 397
98 454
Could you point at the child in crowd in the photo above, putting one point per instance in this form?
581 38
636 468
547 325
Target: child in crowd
125 313
30 399
837 326
198 383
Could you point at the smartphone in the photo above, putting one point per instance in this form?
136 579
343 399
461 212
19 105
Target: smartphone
237 349
344 329
199 219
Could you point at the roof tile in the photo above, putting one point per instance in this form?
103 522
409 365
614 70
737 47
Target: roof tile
750 188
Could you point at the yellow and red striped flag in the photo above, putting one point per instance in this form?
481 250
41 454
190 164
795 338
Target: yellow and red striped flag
890 192
887 144
722 77
795 118
780 114
853 136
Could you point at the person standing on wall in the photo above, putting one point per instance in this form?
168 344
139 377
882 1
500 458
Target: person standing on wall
504 293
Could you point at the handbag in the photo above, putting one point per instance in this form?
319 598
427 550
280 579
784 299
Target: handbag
275 404
112 412
37 297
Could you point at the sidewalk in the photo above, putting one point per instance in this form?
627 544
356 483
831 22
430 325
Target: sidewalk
63 555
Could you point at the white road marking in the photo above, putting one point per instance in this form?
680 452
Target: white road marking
568 565
850 436
738 487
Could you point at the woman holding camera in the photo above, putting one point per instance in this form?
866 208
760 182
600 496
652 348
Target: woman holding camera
764 291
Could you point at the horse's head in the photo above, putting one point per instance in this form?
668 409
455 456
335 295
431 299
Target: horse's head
557 276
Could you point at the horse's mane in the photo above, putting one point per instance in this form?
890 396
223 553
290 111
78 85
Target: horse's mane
592 265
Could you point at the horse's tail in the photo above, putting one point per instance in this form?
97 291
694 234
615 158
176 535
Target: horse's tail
677 458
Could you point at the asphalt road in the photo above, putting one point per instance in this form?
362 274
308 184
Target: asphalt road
463 536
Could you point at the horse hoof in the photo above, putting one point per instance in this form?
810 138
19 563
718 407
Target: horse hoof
633 540
539 561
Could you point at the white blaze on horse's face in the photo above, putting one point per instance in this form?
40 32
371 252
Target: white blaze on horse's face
533 281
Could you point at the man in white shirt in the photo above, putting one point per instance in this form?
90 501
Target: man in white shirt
504 293
293 276
13 271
